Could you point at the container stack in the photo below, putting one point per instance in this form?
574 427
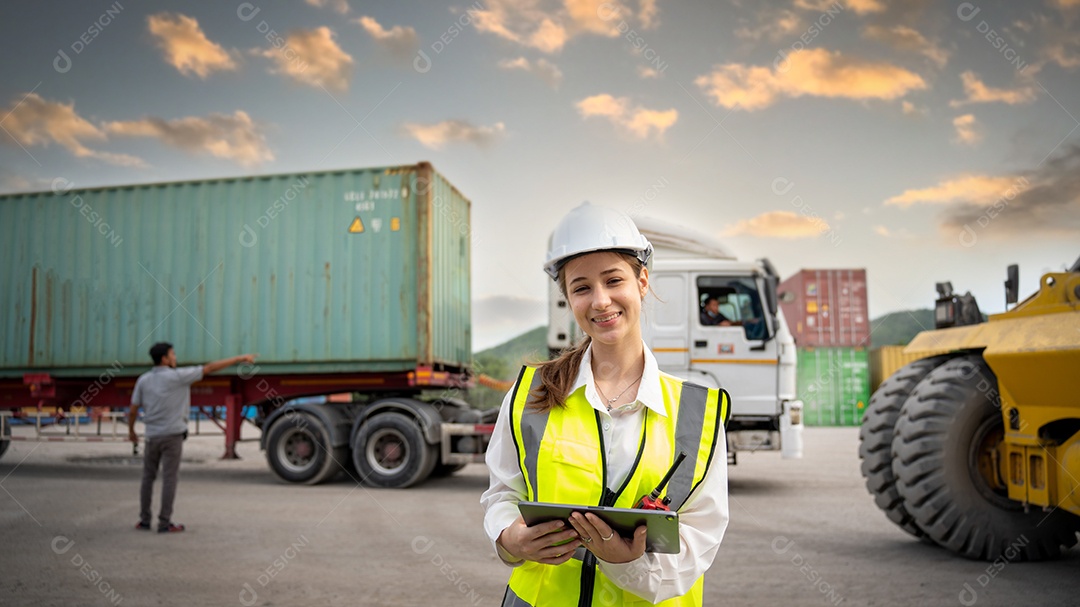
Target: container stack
827 313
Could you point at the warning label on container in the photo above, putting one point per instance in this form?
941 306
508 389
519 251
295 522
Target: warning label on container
356 227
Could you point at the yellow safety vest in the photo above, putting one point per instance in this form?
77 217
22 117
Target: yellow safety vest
563 460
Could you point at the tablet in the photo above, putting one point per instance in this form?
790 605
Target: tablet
663 526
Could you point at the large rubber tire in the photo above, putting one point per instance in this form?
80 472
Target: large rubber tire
298 450
952 418
876 438
389 451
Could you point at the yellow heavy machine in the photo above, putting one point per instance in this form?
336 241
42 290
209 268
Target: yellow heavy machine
978 450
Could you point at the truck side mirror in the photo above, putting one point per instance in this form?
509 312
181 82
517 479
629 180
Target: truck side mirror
772 283
1012 284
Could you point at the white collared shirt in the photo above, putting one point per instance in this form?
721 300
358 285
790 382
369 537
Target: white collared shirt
703 519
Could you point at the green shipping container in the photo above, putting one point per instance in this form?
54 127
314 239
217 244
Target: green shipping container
362 270
834 385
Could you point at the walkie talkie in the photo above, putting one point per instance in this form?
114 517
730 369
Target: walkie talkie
652 501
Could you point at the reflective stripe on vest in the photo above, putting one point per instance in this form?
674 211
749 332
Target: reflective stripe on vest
563 460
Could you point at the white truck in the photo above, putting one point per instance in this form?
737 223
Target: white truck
751 355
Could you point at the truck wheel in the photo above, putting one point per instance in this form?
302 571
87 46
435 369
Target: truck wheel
946 446
298 450
389 451
876 438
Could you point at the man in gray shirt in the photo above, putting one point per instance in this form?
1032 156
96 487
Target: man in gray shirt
165 393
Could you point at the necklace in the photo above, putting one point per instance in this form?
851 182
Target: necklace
611 401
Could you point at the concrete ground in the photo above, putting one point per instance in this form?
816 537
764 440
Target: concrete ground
802 533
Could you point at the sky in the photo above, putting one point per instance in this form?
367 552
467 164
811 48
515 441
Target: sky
923 141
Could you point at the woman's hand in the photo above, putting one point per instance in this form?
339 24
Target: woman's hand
614 549
550 543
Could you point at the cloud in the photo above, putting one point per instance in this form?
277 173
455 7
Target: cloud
967 129
859 7
865 7
971 189
817 72
779 224
638 121
814 5
903 38
647 14
910 109
1043 201
547 71
187 48
1059 40
236 137
36 121
881 231
15 183
436 136
401 42
529 24
312 57
644 71
521 22
978 92
339 6
774 25
599 17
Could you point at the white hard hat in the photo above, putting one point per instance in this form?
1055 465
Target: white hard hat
590 228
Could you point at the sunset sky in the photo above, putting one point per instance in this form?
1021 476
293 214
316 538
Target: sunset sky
924 141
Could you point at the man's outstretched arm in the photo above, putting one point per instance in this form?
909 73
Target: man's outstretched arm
218 365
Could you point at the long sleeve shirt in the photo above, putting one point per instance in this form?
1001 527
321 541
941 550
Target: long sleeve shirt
702 520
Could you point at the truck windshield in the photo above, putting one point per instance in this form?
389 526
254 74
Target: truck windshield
731 301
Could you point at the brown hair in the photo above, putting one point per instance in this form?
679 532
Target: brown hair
557 376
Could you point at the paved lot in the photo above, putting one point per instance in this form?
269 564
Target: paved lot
802 533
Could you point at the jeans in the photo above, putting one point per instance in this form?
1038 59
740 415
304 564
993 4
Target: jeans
163 451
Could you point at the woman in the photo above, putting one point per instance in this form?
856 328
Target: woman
601 425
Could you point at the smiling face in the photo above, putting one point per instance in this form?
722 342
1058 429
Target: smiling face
605 295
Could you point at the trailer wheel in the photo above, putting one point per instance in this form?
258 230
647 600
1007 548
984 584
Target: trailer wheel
298 450
876 438
946 446
389 451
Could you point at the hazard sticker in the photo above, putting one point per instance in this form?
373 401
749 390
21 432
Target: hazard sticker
356 227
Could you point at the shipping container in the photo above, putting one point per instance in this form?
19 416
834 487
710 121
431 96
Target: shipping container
827 308
363 270
886 360
834 385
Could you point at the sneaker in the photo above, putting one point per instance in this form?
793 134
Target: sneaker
141 526
170 528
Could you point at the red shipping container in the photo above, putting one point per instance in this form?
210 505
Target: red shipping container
827 308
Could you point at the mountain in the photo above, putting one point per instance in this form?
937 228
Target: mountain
898 328
504 361
532 343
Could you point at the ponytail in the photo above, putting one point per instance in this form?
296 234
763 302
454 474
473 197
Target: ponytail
557 377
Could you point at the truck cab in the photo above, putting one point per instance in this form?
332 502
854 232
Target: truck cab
714 320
